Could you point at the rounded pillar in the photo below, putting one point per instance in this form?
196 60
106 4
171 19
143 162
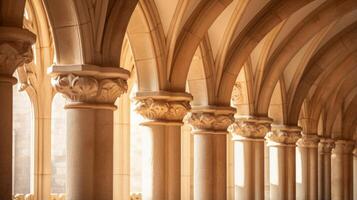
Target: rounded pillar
341 170
90 105
248 135
15 51
282 143
355 173
161 160
307 164
209 126
324 168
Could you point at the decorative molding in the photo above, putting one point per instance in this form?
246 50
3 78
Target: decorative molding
210 120
308 141
88 89
250 127
283 135
14 54
161 110
237 94
135 196
326 145
55 196
23 197
343 147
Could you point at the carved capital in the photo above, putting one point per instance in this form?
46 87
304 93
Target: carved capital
326 145
250 127
89 86
308 141
343 147
15 48
214 120
88 89
163 107
355 152
283 135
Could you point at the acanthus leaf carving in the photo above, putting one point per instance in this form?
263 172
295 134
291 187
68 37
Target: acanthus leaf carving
250 128
88 89
284 135
14 54
343 147
209 121
326 145
162 110
308 141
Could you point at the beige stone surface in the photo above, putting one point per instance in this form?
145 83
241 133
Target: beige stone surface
291 61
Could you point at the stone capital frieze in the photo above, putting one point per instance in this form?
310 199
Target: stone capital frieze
308 141
283 135
89 86
88 89
15 48
326 145
210 120
343 147
164 108
250 127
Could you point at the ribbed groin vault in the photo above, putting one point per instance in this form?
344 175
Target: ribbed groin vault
178 99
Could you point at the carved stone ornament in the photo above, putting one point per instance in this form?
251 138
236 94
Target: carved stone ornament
326 145
308 141
355 152
254 128
162 110
88 89
237 94
284 135
210 121
14 54
343 147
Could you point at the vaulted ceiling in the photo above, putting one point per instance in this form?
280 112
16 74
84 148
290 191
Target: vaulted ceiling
294 60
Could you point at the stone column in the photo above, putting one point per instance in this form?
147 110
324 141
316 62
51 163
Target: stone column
306 183
91 92
281 142
209 126
248 135
324 172
355 173
341 170
15 50
161 164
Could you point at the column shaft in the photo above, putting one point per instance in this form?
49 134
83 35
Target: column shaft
209 126
89 154
282 167
307 176
355 173
324 166
90 126
163 112
210 166
249 166
342 169
6 137
248 136
161 177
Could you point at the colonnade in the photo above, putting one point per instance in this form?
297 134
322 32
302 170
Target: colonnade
91 92
15 50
